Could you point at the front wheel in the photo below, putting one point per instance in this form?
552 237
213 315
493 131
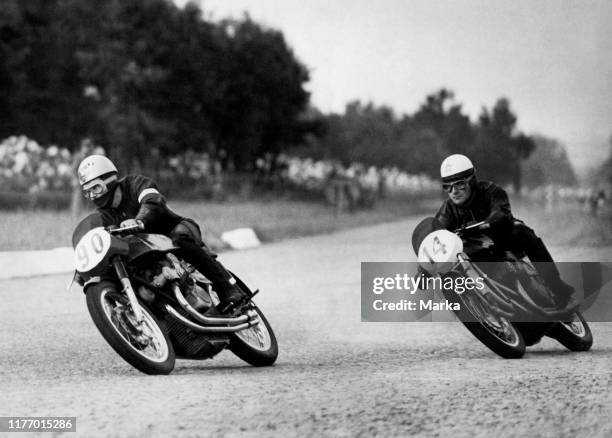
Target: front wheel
145 346
256 345
494 331
575 334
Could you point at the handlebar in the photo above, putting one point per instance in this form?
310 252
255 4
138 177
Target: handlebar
125 230
482 225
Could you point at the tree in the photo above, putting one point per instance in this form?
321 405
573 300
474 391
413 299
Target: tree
42 92
442 129
548 164
262 93
143 75
499 148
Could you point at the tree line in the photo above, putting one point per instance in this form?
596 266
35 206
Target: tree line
144 75
145 78
419 142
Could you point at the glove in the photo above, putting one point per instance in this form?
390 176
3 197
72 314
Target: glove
132 223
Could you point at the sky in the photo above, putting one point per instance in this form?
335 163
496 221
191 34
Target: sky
551 58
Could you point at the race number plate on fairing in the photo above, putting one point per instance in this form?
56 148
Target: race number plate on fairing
438 251
91 249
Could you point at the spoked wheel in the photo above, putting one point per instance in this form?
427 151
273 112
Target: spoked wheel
143 345
494 331
574 334
256 345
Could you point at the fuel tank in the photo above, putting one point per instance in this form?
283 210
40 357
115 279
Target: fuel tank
143 244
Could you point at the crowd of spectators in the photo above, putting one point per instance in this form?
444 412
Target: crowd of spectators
345 187
194 165
317 174
27 167
587 198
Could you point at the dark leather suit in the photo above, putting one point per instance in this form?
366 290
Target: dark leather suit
490 203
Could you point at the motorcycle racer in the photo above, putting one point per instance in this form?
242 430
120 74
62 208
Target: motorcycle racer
471 200
135 200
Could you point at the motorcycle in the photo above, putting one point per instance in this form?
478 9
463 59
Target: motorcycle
152 307
514 308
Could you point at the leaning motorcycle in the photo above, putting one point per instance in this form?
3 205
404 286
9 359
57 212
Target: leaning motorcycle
152 307
514 308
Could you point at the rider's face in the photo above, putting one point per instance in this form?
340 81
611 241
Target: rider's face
100 191
459 191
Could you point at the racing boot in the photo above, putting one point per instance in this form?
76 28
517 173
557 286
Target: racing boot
564 296
223 282
230 297
562 292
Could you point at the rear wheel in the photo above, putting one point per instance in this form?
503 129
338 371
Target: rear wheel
256 345
143 345
574 334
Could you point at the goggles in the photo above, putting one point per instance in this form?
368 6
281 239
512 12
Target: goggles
459 185
97 188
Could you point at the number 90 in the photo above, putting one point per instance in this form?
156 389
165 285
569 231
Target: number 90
89 251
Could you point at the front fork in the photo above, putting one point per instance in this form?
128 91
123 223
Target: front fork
117 263
499 303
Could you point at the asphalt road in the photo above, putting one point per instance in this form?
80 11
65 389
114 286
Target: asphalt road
335 375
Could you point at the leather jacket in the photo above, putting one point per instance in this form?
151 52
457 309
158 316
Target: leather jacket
487 202
140 199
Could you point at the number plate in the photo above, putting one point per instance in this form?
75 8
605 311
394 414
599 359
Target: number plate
438 251
91 249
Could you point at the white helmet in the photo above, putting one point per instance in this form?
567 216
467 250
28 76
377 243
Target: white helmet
95 166
456 166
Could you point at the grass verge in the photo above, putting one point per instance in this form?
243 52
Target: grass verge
272 220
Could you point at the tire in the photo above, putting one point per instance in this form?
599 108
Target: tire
256 345
113 324
575 335
511 348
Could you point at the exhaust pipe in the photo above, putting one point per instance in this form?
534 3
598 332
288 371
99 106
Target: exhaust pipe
500 303
215 329
210 320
